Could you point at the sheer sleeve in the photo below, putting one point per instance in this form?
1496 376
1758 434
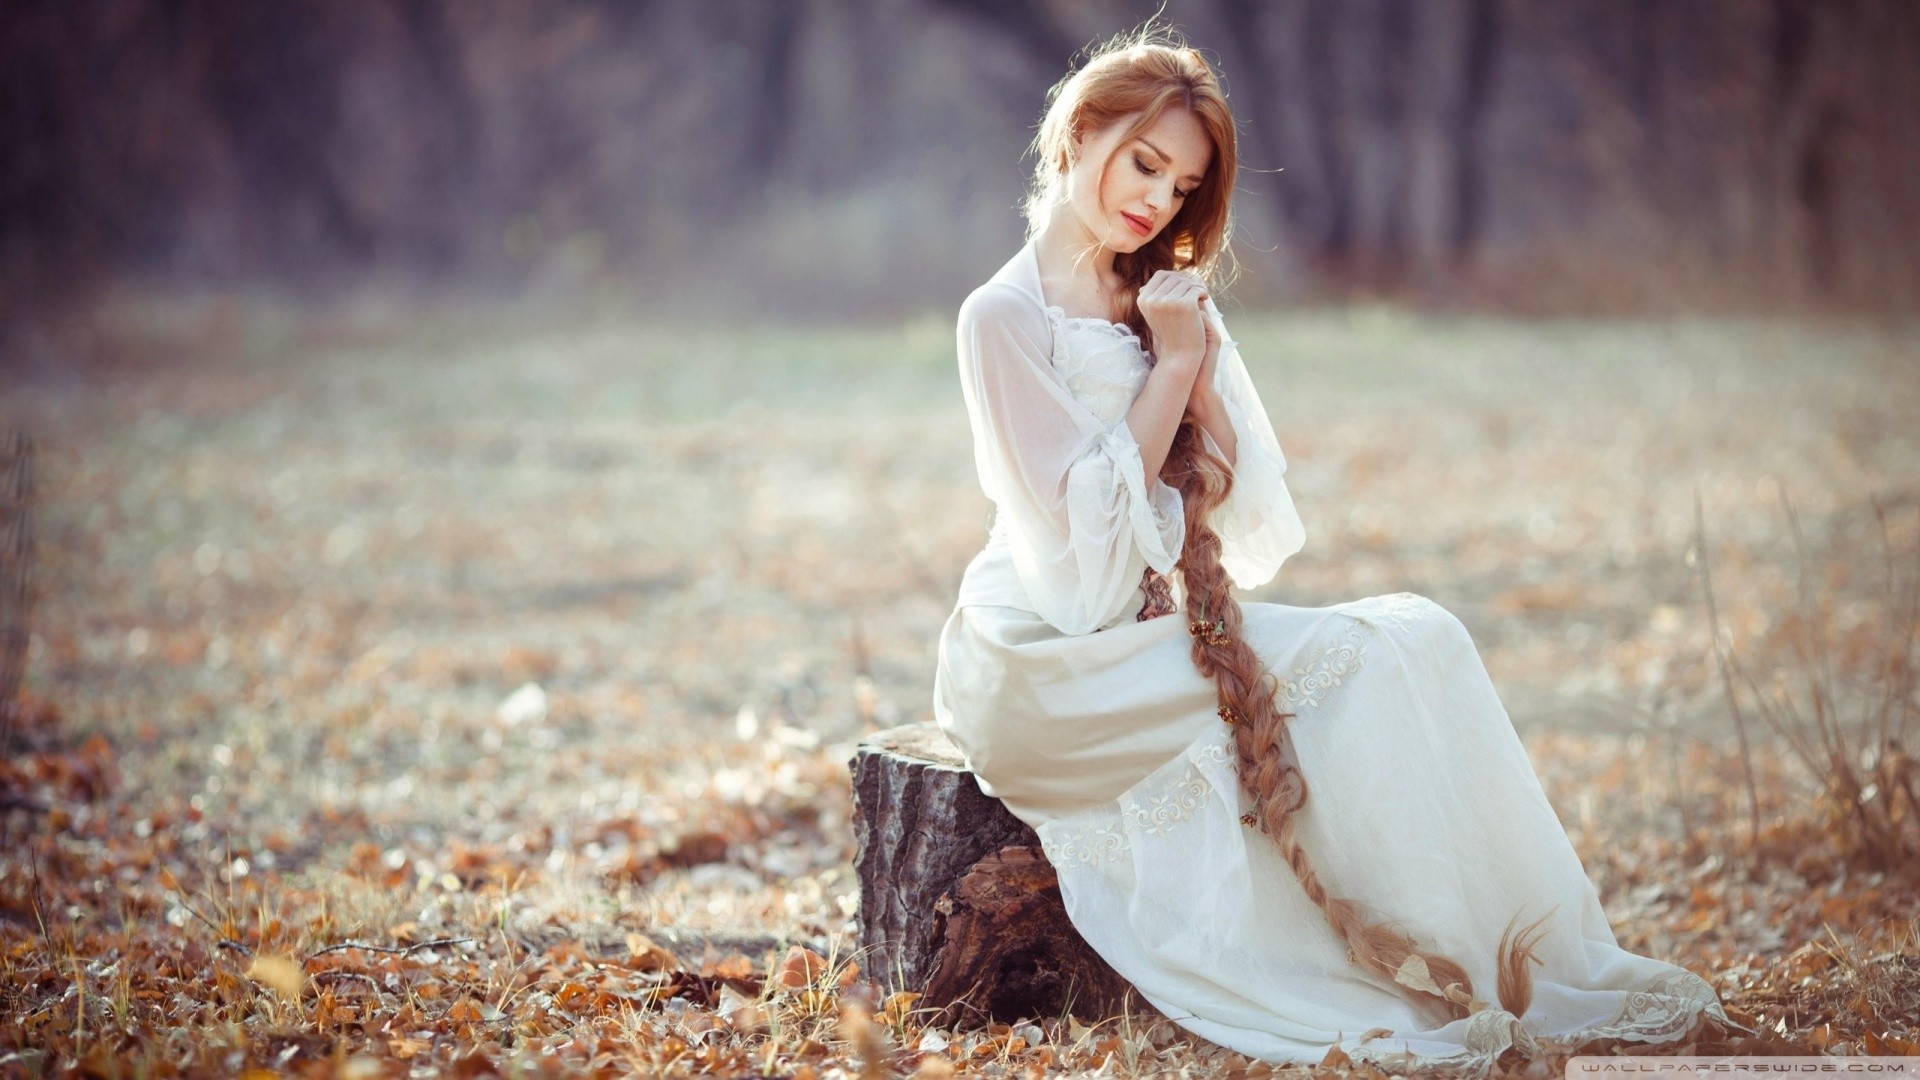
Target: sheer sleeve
1082 516
1258 526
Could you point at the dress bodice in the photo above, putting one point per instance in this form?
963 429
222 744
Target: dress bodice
1078 519
1102 362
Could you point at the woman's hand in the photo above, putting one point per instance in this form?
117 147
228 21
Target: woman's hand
1172 304
1203 398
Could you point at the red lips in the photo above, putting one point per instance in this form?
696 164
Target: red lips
1140 225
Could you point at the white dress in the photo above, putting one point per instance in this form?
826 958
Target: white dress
1096 729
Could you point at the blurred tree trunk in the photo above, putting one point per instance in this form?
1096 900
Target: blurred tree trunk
1586 154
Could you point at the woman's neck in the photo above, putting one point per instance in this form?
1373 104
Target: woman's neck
1071 258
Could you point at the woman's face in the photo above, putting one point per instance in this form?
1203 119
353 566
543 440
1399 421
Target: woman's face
1150 177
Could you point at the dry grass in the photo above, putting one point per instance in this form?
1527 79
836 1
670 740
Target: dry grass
298 575
1841 698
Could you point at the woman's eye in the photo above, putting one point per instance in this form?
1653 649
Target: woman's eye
1142 166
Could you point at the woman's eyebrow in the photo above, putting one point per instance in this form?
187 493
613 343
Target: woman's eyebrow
1165 160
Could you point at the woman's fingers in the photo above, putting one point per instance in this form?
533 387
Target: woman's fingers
1168 284
1163 282
1183 284
1169 277
1173 288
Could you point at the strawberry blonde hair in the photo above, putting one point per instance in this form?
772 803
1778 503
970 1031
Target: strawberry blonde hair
1133 78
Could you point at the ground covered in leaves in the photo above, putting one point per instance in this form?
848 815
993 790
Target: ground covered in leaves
472 692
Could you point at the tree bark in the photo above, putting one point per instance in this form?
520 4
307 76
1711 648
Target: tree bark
16 563
957 900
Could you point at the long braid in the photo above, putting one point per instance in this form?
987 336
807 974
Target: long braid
1269 769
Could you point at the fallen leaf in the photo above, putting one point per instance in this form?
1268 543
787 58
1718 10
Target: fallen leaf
1413 973
647 955
897 1006
278 973
799 968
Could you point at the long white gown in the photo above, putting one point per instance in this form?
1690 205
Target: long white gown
1096 729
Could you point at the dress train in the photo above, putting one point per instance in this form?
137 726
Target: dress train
1423 806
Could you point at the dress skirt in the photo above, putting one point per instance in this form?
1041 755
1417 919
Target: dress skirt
1423 806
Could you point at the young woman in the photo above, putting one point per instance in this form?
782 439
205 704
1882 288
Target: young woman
1424 906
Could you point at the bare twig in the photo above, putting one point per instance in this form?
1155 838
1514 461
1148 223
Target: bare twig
391 950
1726 674
1820 676
1898 676
349 975
1849 736
220 934
39 912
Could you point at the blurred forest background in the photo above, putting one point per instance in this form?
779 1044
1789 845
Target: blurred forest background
833 157
493 461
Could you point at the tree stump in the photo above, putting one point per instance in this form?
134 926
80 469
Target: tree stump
957 900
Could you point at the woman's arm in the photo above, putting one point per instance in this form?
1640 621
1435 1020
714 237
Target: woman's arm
1156 412
1080 508
1186 349
1210 412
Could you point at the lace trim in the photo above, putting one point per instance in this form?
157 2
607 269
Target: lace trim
1399 610
1083 372
1664 1011
1335 662
1659 1012
1119 330
1155 810
1312 681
